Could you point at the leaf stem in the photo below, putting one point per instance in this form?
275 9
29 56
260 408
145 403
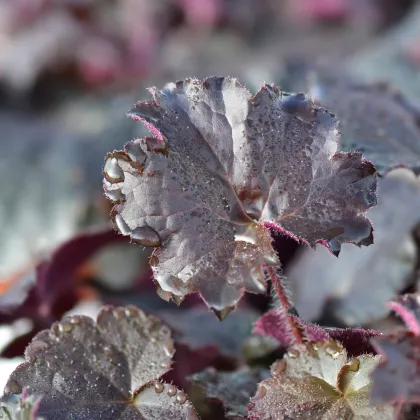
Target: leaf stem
285 304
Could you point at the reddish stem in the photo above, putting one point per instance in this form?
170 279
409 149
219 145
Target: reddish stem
285 304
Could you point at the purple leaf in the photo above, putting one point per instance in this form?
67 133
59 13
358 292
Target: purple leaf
106 369
274 324
361 281
318 381
396 380
232 389
222 168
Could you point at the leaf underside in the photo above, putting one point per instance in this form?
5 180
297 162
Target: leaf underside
222 168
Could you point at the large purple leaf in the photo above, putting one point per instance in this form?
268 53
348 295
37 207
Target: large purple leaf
107 369
221 163
360 282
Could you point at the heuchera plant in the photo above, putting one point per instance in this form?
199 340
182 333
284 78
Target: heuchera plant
223 171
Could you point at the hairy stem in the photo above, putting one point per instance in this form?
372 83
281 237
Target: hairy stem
285 303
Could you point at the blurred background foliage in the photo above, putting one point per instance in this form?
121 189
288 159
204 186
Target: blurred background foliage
71 69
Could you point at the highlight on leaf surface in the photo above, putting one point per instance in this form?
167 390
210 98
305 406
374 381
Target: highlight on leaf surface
361 281
108 369
223 167
318 381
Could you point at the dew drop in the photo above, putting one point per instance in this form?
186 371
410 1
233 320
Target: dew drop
159 387
146 236
113 169
122 225
166 364
168 348
293 353
261 391
172 390
181 397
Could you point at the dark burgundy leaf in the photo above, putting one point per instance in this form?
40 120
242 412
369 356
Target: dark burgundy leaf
361 281
232 389
106 370
221 162
274 324
396 380
318 381
37 292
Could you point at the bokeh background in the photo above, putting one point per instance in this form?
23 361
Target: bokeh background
71 69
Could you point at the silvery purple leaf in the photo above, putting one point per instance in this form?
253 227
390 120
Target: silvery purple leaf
108 369
223 167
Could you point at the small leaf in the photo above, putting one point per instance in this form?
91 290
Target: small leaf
318 382
361 281
223 168
232 389
396 380
104 370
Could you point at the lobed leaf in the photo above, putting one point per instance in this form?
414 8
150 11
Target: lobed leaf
320 382
107 369
223 167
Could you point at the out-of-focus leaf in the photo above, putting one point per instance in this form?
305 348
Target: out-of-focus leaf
20 407
232 389
228 337
375 119
221 162
361 281
388 58
396 380
274 324
106 369
318 381
35 294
